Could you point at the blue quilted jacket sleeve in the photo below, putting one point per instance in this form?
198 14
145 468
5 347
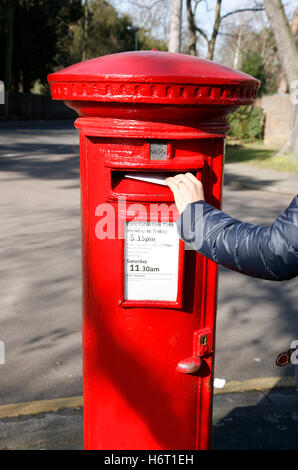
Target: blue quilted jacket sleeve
264 252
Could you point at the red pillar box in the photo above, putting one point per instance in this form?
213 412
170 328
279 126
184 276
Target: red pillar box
149 304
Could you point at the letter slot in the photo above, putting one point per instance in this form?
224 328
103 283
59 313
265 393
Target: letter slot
144 186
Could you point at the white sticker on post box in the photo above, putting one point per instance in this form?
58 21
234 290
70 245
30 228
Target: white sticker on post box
151 261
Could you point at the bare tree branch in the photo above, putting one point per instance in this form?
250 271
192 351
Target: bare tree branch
151 15
194 28
240 10
202 33
232 35
197 2
143 5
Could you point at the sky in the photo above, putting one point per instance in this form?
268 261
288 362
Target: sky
125 6
205 13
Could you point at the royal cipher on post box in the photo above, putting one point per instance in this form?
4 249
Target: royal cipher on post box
149 303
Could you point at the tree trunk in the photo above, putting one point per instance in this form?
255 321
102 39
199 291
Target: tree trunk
291 146
289 59
175 28
238 46
211 43
9 46
192 44
85 31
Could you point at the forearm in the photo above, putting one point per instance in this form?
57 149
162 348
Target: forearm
225 240
264 252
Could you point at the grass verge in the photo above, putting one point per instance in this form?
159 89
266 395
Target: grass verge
259 155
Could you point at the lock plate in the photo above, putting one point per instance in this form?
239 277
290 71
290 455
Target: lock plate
203 342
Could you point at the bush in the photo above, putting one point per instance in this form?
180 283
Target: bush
254 65
247 124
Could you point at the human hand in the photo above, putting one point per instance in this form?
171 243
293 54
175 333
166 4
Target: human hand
186 189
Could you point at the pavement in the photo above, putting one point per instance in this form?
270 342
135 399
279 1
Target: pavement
248 414
246 176
242 420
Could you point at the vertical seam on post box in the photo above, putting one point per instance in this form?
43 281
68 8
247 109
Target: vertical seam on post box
87 241
87 204
202 323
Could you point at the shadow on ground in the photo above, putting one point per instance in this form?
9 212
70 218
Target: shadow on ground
40 150
256 420
252 420
247 181
37 164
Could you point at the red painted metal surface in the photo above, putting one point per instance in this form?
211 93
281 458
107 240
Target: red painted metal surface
135 396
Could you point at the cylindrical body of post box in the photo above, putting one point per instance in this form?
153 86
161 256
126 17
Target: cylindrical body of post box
149 303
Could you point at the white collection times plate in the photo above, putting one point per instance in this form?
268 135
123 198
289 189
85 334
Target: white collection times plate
151 258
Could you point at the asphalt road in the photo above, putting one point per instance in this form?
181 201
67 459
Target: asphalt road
40 274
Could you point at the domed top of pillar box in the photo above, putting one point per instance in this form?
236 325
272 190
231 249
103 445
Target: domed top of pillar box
153 77
153 85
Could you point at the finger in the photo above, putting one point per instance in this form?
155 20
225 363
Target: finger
173 180
170 180
172 184
198 187
192 178
183 179
177 179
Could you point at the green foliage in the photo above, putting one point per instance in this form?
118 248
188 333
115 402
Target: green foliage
102 31
253 64
247 123
147 42
51 34
41 33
